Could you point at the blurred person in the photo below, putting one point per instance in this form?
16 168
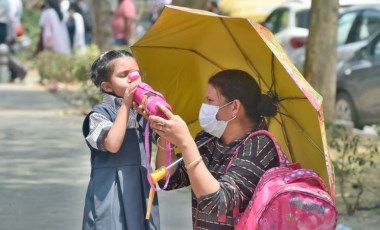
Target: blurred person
64 7
77 36
212 6
88 20
4 20
55 36
118 190
15 13
123 23
157 7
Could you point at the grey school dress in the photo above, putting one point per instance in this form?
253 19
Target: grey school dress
118 190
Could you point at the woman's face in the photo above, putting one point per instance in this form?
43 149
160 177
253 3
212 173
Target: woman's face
214 97
119 80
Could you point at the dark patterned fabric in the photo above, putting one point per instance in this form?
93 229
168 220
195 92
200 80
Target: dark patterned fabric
255 156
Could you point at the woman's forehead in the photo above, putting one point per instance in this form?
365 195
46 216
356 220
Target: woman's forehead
214 93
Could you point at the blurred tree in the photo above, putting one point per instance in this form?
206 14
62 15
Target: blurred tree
320 65
103 11
197 4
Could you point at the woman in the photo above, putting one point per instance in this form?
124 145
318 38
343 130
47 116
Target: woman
123 23
234 108
55 36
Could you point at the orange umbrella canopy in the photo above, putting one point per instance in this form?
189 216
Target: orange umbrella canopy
185 47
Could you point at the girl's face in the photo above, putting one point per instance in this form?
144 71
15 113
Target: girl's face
119 80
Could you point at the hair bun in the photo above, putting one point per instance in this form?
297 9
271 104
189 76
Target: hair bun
268 105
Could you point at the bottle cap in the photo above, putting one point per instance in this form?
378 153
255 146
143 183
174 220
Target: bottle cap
134 75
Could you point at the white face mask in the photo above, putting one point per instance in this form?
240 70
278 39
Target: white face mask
209 122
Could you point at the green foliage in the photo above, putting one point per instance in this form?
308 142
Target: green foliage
356 156
92 93
54 66
83 62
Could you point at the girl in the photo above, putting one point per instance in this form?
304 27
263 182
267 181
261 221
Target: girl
118 188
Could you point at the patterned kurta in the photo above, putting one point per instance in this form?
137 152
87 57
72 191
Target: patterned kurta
255 156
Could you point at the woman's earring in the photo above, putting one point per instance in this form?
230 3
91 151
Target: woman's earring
233 116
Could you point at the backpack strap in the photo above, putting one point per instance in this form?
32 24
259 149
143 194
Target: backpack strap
283 160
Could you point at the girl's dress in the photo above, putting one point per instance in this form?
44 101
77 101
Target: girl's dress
118 189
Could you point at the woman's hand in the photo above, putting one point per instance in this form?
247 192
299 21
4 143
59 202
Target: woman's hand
174 129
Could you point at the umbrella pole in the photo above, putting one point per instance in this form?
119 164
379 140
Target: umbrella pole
159 174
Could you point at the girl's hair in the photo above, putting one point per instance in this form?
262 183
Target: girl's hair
102 68
237 84
55 5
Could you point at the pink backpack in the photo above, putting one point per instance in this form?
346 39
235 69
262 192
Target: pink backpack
287 197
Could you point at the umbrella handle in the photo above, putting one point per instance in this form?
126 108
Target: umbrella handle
150 203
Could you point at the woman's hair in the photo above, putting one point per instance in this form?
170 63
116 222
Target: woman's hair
55 5
102 68
237 84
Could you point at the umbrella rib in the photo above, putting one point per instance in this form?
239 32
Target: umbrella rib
189 50
273 81
293 98
302 131
241 51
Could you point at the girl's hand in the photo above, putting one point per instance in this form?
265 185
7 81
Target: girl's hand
174 129
141 110
129 92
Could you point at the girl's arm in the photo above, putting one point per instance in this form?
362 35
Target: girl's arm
114 137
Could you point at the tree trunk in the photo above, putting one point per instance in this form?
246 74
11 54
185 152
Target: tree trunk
196 4
320 65
102 23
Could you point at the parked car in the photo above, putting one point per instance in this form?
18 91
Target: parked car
356 26
358 85
257 10
290 24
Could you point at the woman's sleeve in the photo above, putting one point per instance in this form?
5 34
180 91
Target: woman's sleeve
237 186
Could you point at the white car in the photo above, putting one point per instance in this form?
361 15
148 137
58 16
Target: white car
289 22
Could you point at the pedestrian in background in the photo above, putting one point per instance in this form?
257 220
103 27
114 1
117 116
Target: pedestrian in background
123 23
4 20
157 7
212 6
118 190
55 36
88 21
77 37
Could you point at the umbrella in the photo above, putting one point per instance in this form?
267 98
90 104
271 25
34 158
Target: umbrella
186 46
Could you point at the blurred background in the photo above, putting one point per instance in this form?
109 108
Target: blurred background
91 27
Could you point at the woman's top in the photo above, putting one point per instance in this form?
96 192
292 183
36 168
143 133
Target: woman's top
55 30
255 156
118 190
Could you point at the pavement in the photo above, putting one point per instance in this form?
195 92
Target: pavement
45 164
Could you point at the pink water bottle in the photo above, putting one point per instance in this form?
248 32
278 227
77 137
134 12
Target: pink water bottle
146 96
